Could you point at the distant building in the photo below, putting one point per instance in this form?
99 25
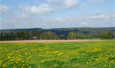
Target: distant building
34 37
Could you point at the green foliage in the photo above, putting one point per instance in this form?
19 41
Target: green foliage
72 35
107 35
64 33
36 34
48 35
23 35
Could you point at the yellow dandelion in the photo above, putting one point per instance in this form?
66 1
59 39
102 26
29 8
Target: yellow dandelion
9 57
23 64
29 66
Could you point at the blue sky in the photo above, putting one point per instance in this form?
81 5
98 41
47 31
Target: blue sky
56 13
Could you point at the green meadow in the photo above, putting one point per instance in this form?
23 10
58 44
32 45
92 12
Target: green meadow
100 54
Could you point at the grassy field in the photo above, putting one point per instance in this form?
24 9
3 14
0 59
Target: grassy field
58 55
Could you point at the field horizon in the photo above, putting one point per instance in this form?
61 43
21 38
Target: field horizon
53 41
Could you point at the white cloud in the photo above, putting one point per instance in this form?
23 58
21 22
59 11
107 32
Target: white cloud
4 8
97 15
5 11
53 1
70 3
64 3
90 20
43 9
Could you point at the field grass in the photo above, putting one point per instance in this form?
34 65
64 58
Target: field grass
58 55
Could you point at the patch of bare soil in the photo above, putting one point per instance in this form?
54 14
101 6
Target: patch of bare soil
47 41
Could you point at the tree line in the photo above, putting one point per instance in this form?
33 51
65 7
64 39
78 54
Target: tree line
49 35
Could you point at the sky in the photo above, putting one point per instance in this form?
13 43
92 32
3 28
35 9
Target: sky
16 14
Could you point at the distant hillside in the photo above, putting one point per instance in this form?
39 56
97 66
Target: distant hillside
65 31
86 31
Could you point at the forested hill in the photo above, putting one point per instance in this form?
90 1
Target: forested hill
86 31
63 32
